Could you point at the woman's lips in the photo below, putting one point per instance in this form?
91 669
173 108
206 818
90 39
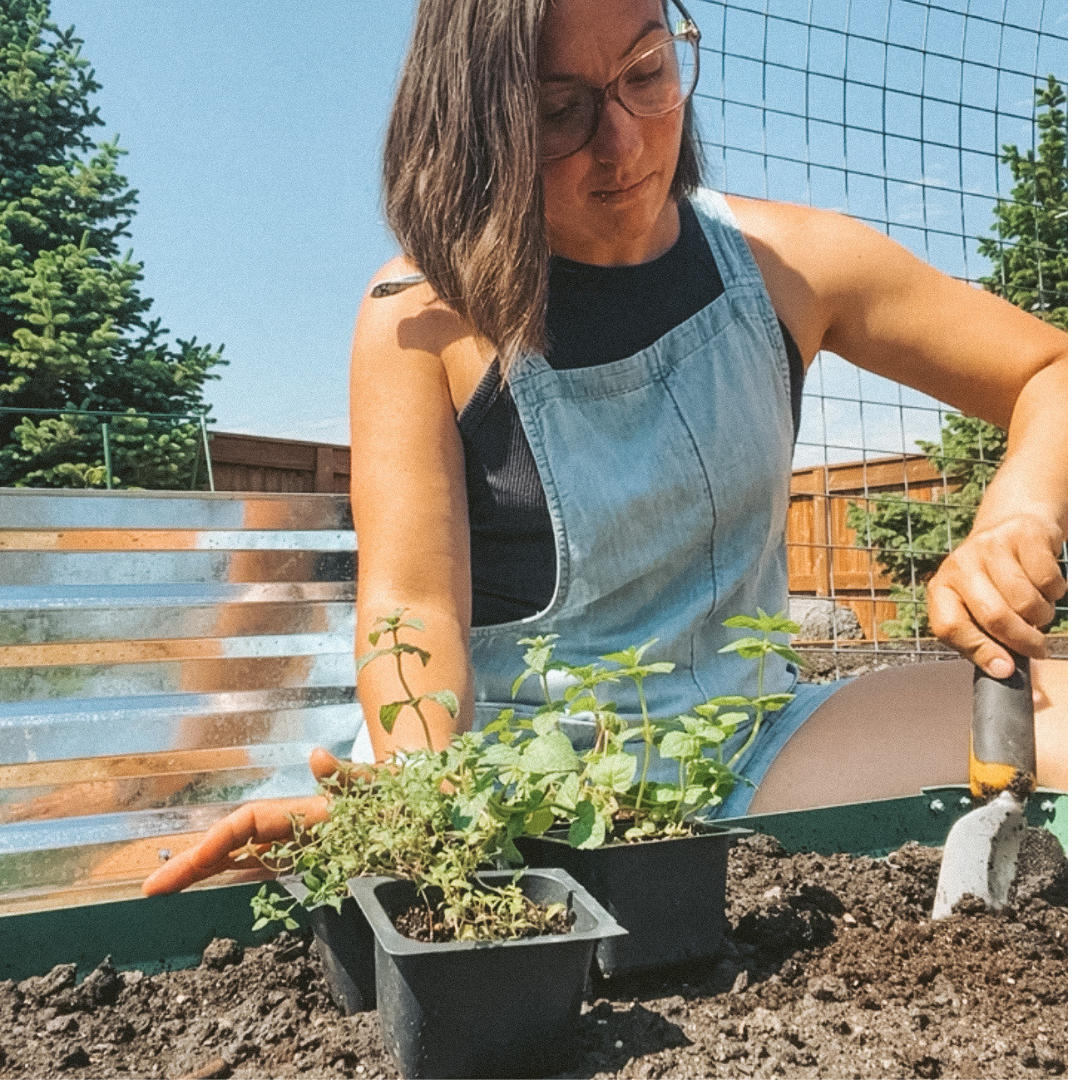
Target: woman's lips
615 196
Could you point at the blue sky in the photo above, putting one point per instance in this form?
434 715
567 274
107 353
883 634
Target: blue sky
254 134
254 142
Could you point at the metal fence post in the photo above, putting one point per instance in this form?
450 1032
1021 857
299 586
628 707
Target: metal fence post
206 452
108 455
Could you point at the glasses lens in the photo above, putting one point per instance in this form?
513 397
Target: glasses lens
566 119
661 79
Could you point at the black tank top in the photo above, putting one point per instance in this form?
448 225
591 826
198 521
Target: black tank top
596 314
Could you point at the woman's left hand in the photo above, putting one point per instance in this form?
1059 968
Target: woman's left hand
996 589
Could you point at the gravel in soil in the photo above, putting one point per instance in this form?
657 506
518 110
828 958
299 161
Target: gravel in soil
833 969
826 662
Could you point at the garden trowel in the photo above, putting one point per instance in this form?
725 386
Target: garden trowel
982 848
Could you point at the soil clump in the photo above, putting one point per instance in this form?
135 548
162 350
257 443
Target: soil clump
832 969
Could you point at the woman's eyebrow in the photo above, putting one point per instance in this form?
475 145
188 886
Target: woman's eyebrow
646 30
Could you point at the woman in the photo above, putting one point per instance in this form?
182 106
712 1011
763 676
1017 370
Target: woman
575 400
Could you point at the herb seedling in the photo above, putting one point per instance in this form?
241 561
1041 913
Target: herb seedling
432 817
593 791
392 624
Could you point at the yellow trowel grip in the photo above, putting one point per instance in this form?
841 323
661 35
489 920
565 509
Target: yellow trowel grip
1002 748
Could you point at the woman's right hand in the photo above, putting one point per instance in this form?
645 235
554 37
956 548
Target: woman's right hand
257 822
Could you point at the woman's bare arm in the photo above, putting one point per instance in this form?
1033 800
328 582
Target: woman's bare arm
409 507
842 286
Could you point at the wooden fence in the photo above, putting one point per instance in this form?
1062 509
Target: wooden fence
255 463
825 557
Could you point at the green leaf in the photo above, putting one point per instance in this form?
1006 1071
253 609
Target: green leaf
368 657
546 722
615 771
665 793
539 821
388 715
788 653
743 622
550 753
446 698
749 648
630 657
416 624
678 744
260 923
587 830
570 791
500 723
736 700
414 650
772 702
519 682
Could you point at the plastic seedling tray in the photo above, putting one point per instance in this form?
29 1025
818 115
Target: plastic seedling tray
346 948
483 1009
668 894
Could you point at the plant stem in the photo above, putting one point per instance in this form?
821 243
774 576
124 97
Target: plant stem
682 790
759 712
646 732
414 701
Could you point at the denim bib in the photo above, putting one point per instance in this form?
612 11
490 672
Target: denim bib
667 477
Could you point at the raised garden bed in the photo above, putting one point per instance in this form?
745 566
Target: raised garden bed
834 970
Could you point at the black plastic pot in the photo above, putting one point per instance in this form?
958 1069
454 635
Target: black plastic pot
668 894
346 948
482 1009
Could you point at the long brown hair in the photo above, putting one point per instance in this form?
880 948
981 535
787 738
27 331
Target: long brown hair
461 174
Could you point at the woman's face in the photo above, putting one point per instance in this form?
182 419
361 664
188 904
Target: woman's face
608 203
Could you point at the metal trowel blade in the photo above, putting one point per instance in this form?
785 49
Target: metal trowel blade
980 855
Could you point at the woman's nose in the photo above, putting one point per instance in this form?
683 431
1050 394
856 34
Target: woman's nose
618 136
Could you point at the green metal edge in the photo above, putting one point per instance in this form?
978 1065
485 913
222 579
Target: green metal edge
169 932
878 827
151 934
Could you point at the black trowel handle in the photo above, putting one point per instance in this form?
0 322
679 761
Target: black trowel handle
1002 730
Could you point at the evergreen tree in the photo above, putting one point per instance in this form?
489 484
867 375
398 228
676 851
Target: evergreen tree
74 327
1030 256
1030 268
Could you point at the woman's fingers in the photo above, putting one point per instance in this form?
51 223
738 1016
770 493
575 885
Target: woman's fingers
994 590
258 822
1041 566
324 765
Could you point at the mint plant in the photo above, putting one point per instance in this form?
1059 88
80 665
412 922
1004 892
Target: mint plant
596 794
392 624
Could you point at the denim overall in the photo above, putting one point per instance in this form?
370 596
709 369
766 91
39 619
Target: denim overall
667 477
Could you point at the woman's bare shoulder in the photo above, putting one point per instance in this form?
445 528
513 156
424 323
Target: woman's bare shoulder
794 230
413 322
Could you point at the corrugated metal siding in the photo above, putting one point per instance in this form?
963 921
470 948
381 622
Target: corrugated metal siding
163 657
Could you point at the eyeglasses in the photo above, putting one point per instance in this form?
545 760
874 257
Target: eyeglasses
652 83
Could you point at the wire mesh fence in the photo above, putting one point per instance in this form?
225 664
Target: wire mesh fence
896 112
96 448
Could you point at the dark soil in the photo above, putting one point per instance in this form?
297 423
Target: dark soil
833 970
422 923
